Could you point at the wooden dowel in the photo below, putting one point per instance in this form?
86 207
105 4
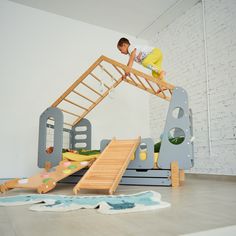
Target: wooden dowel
63 123
92 89
132 79
81 95
140 81
150 85
95 77
160 88
68 124
149 90
71 113
118 70
67 100
102 67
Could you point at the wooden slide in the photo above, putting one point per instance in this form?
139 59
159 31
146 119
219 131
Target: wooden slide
46 181
106 172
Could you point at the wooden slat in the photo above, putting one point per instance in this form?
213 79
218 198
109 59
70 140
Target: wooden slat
95 77
76 83
71 113
68 124
81 95
103 68
94 178
97 102
89 87
122 170
75 104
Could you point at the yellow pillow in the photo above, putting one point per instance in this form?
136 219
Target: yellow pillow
78 157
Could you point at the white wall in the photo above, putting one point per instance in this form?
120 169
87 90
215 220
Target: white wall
183 47
41 55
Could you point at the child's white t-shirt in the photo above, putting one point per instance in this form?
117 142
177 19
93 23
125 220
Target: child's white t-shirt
141 52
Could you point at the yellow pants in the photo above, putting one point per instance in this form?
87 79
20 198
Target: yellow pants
153 61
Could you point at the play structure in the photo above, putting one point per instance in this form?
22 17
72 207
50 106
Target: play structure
131 162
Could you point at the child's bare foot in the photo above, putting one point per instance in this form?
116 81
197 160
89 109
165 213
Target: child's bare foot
162 75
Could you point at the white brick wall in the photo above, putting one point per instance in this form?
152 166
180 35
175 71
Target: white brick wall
183 47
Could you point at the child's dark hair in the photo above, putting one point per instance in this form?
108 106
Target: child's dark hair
122 41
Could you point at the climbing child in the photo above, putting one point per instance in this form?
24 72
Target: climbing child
149 57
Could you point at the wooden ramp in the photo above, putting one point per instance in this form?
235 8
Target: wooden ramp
46 181
106 172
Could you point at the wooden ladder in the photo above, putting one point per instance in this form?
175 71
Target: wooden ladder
107 171
85 94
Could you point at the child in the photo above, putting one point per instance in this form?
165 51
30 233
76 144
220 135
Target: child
149 57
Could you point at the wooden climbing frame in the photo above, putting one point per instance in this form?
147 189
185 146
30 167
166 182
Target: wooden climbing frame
116 73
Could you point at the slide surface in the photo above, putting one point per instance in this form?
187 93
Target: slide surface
106 172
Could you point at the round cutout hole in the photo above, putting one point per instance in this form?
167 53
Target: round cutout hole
176 136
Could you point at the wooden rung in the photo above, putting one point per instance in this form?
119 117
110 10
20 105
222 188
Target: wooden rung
92 89
81 95
63 123
140 81
97 102
95 77
132 80
150 85
118 70
102 67
160 88
71 113
69 101
149 90
68 124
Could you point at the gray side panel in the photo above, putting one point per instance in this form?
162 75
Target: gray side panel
183 152
146 144
104 143
56 155
84 128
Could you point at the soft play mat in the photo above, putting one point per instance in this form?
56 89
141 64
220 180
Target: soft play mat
142 201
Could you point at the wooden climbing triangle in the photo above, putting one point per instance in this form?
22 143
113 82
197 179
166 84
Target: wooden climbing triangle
98 82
